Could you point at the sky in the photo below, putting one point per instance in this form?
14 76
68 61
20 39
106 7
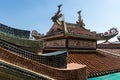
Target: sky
98 15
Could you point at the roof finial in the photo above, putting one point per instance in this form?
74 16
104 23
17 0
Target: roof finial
59 6
79 12
57 15
79 15
80 20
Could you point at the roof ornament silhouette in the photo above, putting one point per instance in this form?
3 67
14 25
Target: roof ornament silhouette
57 15
80 20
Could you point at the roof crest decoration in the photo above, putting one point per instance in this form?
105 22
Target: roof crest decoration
57 15
80 20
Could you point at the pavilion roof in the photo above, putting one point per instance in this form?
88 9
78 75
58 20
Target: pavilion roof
75 30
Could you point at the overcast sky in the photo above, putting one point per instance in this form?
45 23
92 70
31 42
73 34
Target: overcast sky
98 15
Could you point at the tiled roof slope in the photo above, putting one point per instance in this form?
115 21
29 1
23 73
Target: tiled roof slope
96 62
76 73
76 29
113 51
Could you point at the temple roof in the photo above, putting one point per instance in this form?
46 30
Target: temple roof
70 30
78 30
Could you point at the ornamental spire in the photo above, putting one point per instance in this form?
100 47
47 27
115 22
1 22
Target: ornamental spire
57 15
80 20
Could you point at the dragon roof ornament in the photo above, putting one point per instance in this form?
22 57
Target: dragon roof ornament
110 34
80 20
57 15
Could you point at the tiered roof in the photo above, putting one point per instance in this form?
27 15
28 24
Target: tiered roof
77 29
69 29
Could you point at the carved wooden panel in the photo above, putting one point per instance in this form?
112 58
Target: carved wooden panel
55 43
81 44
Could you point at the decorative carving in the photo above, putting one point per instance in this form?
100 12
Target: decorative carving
81 44
80 20
111 33
55 43
57 15
36 35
